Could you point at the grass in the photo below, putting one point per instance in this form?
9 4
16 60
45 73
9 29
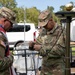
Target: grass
73 51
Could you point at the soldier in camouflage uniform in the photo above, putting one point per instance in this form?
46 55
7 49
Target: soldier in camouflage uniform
51 45
7 18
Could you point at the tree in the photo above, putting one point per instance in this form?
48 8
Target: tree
62 8
20 14
8 3
72 3
50 8
32 15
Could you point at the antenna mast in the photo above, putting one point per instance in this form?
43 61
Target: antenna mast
24 22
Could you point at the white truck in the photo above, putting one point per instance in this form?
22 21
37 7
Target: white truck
22 32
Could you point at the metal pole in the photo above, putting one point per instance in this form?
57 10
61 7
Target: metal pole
67 52
24 23
34 63
25 61
24 40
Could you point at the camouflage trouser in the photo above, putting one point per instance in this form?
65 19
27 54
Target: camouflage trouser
53 73
59 70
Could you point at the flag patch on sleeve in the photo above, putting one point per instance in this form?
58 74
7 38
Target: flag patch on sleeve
2 43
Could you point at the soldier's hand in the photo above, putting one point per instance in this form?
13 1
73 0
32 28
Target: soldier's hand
37 47
31 43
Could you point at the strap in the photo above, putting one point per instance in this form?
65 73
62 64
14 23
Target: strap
57 38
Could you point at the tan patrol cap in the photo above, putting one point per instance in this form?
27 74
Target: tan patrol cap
8 14
44 17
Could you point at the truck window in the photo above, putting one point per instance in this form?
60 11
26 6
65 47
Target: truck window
19 28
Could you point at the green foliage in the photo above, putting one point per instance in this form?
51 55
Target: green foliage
50 8
32 15
73 51
29 14
20 14
8 3
62 8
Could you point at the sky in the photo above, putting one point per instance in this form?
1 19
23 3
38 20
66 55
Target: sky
42 4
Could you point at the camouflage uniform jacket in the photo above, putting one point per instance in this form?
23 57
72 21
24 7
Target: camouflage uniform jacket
5 62
52 51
